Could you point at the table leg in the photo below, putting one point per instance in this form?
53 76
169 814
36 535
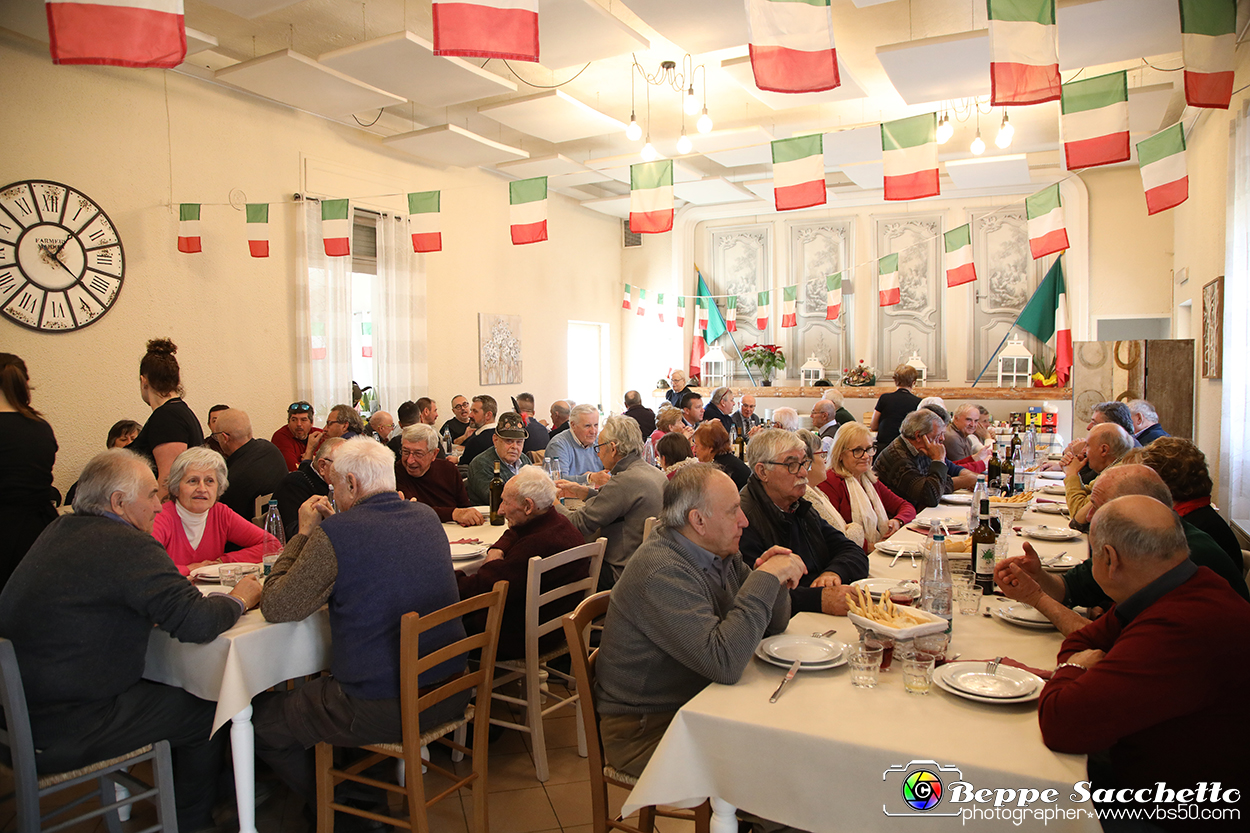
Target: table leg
724 819
242 742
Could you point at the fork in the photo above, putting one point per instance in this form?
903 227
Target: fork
826 634
991 667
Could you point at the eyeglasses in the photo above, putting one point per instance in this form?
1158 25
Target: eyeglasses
598 446
336 422
793 466
858 453
299 408
409 453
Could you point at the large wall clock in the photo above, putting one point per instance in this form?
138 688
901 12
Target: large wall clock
61 260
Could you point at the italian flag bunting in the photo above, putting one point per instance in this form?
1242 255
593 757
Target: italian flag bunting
1163 172
791 44
1208 39
659 306
959 266
1047 233
528 198
1094 121
336 227
189 228
1046 314
798 169
651 197
761 310
887 280
625 303
642 302
681 310
366 339
486 28
833 306
122 33
910 157
1024 52
318 345
789 304
258 229
701 314
424 221
731 314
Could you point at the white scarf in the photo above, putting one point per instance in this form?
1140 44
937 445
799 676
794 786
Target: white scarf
867 509
820 502
192 524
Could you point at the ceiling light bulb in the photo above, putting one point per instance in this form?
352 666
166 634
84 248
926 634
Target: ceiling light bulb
1005 133
978 144
690 104
634 131
705 122
684 145
648 152
945 130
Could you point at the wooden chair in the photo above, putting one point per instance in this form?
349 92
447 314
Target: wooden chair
412 703
534 669
601 774
18 749
647 526
536 457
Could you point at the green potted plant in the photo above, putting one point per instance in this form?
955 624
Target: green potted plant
766 358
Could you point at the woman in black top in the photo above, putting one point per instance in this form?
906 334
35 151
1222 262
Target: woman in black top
28 448
892 407
711 445
172 428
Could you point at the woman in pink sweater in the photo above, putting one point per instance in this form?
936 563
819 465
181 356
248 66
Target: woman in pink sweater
193 527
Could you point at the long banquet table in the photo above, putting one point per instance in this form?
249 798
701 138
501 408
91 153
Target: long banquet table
820 758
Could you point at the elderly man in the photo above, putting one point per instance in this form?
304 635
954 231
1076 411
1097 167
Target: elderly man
842 416
382 424
719 407
675 393
256 467
377 559
538 435
1152 681
559 418
482 416
639 413
686 612
534 529
825 422
421 476
787 419
575 448
617 510
692 408
1023 579
914 465
311 478
1146 427
1102 413
1106 444
507 442
80 608
959 436
459 426
745 418
780 516
292 438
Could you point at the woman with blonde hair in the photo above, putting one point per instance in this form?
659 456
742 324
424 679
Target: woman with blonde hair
855 492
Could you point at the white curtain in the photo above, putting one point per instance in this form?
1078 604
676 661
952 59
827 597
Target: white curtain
323 323
398 309
1234 492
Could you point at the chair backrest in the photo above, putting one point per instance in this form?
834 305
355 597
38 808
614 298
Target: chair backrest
535 600
17 748
647 526
261 506
583 665
537 456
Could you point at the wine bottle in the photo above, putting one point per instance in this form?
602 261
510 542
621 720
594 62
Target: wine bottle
983 541
496 497
1008 476
994 469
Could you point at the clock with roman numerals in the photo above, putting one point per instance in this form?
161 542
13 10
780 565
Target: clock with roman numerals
61 259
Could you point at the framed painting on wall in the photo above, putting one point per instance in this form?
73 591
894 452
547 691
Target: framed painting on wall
499 349
1213 329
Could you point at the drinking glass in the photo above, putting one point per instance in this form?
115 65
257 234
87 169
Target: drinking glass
963 578
229 574
918 674
970 600
865 662
933 645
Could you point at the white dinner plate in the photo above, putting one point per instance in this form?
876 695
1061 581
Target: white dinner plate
810 650
1053 489
1050 533
892 548
1061 564
876 586
1051 508
969 680
951 523
958 499
1023 615
839 658
1051 475
464 552
209 572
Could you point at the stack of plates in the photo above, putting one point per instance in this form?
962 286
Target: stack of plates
1053 489
876 586
814 653
893 548
960 498
1026 616
1051 475
952 524
1006 685
1050 533
1051 508
467 552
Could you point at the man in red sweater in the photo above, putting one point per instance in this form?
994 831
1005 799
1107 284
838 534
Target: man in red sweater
1157 681
421 476
292 438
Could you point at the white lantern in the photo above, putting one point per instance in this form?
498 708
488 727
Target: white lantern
812 372
922 370
715 368
1015 365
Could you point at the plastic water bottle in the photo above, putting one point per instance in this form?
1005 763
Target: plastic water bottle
935 582
979 493
447 442
273 525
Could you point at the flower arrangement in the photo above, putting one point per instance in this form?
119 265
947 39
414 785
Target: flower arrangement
1044 375
766 357
861 375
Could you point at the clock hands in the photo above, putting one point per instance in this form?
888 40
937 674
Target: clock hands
47 250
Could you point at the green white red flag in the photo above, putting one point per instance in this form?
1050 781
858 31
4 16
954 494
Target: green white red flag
1094 121
1024 52
731 314
791 44
486 29
910 156
701 314
1047 232
642 303
681 310
1163 171
959 266
122 33
659 306
789 306
318 343
1046 314
336 227
528 201
425 221
189 228
798 169
258 228
833 305
651 197
761 310
1208 40
628 290
887 280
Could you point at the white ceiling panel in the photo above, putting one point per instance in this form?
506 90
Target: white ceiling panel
932 69
1147 106
868 175
251 8
1103 32
614 206
405 64
762 188
617 167
299 81
573 32
199 41
711 191
696 26
551 166
987 172
554 116
737 146
738 157
739 70
850 147
454 147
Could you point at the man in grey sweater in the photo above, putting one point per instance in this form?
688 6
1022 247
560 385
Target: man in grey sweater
686 612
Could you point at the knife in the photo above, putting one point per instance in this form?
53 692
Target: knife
794 669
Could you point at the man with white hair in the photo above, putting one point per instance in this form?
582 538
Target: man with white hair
1146 427
256 467
959 436
719 407
745 419
311 478
534 529
786 419
421 475
914 465
575 448
378 558
79 610
842 416
1107 443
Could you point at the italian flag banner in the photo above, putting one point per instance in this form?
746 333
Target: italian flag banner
910 157
1208 39
701 315
121 33
425 221
1163 172
731 314
959 266
798 169
189 228
366 339
1024 52
528 198
258 229
833 306
651 197
318 343
336 227
1046 314
1094 121
486 28
681 310
789 302
791 43
642 302
628 290
761 310
659 306
1047 233
887 280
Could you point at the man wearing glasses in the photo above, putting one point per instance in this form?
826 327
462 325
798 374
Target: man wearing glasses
421 476
311 478
459 425
292 438
779 516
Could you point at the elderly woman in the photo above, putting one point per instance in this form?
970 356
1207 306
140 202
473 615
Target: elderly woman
779 515
673 451
675 393
870 509
710 444
786 419
669 420
892 407
721 407
193 527
1183 467
817 498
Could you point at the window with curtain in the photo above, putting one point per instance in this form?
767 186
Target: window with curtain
1234 487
